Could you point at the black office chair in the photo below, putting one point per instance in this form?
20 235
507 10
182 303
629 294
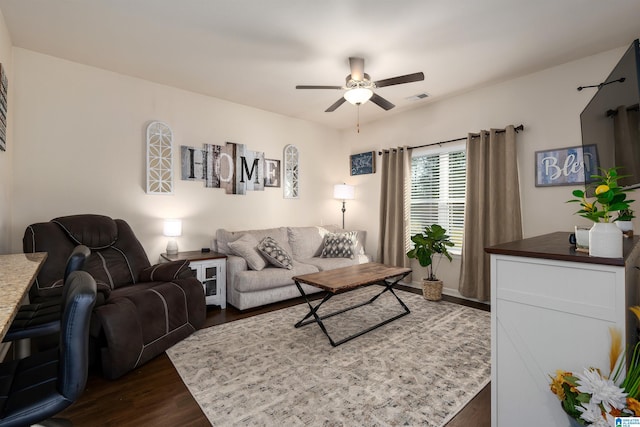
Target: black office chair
43 317
37 387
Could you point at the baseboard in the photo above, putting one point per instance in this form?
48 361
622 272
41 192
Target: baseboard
446 291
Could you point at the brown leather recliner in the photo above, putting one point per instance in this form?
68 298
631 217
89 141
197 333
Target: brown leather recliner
141 310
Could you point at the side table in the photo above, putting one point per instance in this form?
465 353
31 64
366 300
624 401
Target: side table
210 268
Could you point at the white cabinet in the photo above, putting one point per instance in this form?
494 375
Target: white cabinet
551 308
210 268
212 273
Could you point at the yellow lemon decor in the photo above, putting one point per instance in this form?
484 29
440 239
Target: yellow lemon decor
609 196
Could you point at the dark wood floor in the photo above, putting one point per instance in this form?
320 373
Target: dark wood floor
154 395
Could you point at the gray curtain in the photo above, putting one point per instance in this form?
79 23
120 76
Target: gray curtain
625 126
394 209
492 213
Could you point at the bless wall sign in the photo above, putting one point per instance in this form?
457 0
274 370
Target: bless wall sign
566 166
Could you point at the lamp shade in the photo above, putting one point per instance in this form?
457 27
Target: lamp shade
344 192
172 227
358 95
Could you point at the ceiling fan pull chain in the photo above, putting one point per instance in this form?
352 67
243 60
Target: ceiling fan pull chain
358 124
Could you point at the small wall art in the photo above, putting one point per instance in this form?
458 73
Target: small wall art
159 158
566 166
363 163
3 108
291 189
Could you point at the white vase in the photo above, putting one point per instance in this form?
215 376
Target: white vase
605 240
626 227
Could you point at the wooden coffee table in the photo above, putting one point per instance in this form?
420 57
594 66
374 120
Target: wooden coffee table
346 279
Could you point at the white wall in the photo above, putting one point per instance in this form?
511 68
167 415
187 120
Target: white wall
80 148
6 157
78 136
548 105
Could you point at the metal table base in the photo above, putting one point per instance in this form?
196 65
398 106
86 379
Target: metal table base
313 311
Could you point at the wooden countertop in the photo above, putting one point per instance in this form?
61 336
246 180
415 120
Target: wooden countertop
556 246
17 273
192 256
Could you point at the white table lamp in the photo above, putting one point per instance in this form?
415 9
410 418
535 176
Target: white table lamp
344 192
172 228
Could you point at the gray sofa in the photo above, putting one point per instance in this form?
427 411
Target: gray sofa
252 280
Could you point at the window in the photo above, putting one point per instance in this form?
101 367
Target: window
438 188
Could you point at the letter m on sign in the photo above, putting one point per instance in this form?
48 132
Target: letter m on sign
250 165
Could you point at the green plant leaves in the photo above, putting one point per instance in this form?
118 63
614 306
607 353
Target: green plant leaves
612 200
433 240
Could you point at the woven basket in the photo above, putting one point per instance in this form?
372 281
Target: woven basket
432 289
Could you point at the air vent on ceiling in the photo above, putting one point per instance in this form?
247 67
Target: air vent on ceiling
417 97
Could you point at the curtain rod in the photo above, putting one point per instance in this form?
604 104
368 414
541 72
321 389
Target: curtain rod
473 135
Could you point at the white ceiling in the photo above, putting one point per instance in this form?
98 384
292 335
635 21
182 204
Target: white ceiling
254 52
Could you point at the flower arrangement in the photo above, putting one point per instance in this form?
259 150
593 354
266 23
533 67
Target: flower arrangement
608 194
593 399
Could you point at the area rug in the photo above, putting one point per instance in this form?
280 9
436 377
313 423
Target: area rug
419 370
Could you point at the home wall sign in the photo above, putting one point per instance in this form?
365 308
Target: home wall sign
566 166
363 163
232 167
159 158
272 173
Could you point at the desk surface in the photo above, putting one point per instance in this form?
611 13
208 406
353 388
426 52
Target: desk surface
17 273
556 246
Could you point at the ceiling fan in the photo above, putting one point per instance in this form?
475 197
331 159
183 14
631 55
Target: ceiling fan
359 87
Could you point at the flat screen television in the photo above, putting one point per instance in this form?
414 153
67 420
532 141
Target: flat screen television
610 121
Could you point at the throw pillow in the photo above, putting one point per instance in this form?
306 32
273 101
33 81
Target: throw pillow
339 245
274 253
246 246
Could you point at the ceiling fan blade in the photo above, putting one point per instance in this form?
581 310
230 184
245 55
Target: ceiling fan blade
357 68
381 102
415 77
335 105
317 87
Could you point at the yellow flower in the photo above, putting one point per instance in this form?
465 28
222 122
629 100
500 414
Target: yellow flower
557 382
616 348
602 188
634 405
588 206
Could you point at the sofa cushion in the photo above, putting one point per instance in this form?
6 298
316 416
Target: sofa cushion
339 245
274 253
223 237
247 247
270 277
306 242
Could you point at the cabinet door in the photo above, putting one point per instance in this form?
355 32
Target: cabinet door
209 279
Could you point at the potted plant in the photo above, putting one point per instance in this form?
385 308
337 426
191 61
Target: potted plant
433 241
605 238
624 222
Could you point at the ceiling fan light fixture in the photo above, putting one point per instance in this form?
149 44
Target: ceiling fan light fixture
359 95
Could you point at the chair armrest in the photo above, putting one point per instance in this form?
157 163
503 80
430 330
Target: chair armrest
235 264
166 272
